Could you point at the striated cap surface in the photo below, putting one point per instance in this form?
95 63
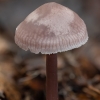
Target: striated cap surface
51 28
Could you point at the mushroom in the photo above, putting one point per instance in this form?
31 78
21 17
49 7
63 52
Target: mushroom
50 29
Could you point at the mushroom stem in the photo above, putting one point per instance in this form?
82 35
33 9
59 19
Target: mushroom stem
51 77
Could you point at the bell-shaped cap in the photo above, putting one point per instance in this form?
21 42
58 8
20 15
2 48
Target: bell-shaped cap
51 28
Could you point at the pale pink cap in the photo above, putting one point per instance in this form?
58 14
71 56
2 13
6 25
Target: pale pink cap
51 28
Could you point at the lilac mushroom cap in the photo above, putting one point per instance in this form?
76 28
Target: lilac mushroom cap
51 28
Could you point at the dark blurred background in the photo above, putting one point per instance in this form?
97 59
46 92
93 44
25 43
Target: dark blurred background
22 74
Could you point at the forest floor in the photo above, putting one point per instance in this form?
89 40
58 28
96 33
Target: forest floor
23 74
